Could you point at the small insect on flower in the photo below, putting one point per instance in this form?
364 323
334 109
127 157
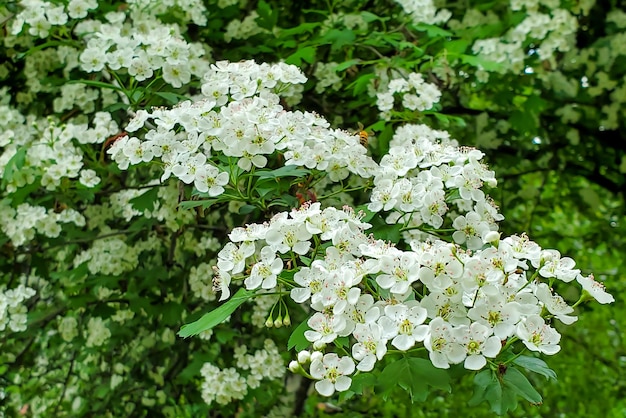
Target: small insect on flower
113 139
363 135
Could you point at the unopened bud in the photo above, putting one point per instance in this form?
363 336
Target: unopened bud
304 356
294 366
278 322
492 237
316 355
287 320
269 323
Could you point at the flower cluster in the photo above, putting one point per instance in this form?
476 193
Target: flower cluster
425 171
22 223
224 385
157 48
462 306
424 11
416 94
12 308
240 118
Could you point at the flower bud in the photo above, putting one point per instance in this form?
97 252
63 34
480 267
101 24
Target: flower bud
287 320
492 237
316 355
269 323
278 322
304 356
294 366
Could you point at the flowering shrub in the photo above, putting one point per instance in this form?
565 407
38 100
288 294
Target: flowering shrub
148 186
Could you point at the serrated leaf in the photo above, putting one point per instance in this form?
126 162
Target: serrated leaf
189 204
517 382
216 316
362 381
301 28
94 83
297 339
172 98
432 30
535 365
145 201
286 171
346 64
360 85
306 54
15 163
415 375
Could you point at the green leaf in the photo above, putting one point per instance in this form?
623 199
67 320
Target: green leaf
487 388
384 138
341 342
94 83
297 339
172 98
216 316
371 17
145 201
515 380
535 365
456 47
481 62
362 381
432 30
359 86
286 171
267 17
246 209
338 38
416 376
346 64
189 204
15 163
301 28
306 54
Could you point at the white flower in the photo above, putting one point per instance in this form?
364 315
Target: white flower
538 336
286 234
399 273
555 304
478 342
233 257
210 180
496 313
556 266
332 373
403 323
88 178
324 329
442 348
595 289
264 272
370 345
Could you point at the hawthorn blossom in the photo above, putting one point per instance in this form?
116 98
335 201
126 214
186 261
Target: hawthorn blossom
370 345
324 329
595 289
555 304
332 373
478 342
538 336
442 347
403 324
265 271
